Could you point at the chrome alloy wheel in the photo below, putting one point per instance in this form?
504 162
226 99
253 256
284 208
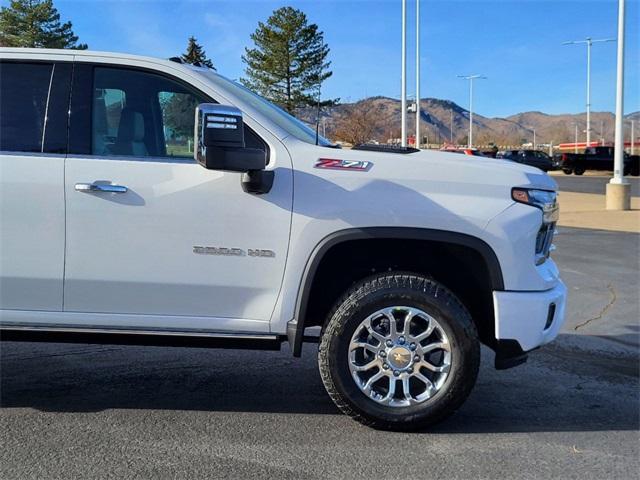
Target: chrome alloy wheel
399 356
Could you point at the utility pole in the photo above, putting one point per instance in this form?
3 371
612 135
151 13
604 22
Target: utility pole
534 138
403 94
471 78
602 132
451 129
575 141
589 42
633 137
418 74
618 189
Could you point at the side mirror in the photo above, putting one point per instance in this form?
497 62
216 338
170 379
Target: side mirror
219 140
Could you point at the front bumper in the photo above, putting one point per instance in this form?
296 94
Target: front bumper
529 318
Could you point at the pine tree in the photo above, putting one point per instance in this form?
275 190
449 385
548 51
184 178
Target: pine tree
289 61
35 24
178 108
195 54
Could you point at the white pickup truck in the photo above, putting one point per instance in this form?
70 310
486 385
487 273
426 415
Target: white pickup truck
143 201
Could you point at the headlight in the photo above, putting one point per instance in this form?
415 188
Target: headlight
547 202
542 199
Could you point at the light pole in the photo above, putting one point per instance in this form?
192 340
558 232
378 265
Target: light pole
589 42
618 194
633 137
418 74
451 128
575 141
602 132
533 130
471 78
403 94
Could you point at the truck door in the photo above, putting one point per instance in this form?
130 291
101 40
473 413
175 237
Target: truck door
154 239
34 100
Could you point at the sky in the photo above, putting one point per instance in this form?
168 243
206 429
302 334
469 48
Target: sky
517 44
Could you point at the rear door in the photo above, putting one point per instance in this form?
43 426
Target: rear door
154 240
34 102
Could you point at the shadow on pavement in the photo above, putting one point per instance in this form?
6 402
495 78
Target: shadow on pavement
561 388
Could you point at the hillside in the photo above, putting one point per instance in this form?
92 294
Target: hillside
437 116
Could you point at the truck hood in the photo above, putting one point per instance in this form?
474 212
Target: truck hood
450 168
426 189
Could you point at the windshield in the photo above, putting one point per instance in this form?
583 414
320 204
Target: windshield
287 122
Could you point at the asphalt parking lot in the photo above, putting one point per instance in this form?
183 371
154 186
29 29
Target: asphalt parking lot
78 411
592 183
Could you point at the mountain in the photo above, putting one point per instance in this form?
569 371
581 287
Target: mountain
438 116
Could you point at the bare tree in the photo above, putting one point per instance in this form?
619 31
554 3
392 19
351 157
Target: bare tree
360 122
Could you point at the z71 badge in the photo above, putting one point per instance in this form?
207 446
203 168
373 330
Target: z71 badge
333 164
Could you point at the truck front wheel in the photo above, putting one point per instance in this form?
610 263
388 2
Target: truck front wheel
399 352
578 171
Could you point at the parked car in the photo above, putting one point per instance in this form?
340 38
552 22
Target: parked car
406 260
534 158
597 158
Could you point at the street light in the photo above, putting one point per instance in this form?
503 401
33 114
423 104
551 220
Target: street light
618 190
589 42
471 78
417 143
451 127
534 137
403 94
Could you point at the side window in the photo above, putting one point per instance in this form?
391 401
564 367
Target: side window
136 113
24 92
141 114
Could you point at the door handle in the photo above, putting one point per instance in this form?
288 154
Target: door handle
100 187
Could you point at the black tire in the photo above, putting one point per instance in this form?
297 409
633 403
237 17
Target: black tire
393 289
567 171
578 171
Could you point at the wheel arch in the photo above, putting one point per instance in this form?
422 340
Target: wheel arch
296 328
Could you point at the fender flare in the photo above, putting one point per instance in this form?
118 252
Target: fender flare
295 328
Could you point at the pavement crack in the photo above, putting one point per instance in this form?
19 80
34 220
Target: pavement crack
612 300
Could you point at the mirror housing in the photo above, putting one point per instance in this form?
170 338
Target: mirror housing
219 140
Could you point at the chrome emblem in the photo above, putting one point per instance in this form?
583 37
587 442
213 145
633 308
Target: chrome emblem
334 164
401 357
233 252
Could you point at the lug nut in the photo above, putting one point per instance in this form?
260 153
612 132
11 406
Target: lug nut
416 358
396 373
389 343
401 340
385 366
410 370
412 346
382 353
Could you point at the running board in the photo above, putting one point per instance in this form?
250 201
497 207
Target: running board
160 338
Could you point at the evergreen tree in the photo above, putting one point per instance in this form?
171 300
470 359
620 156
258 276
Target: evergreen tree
289 61
35 24
178 108
195 54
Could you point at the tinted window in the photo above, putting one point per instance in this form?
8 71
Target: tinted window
24 89
141 114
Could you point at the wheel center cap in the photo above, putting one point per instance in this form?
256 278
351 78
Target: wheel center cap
400 357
